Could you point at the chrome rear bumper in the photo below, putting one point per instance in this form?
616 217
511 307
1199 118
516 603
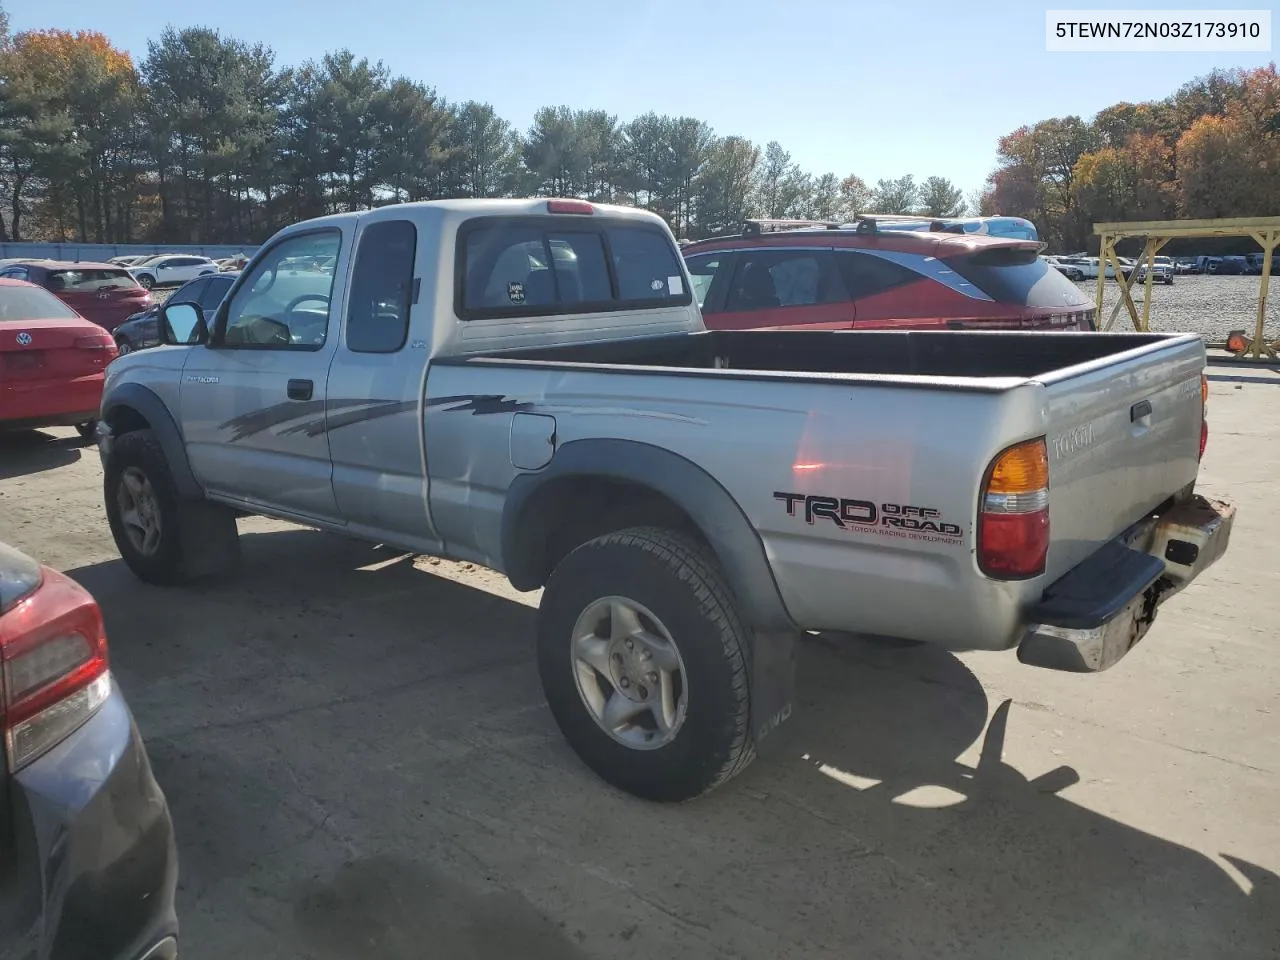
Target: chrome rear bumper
1097 613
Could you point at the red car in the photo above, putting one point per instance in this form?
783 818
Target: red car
52 361
826 277
105 293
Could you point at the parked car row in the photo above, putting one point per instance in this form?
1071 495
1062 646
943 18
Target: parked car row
166 268
1083 267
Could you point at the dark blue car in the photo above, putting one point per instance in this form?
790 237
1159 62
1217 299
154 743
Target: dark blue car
142 330
88 866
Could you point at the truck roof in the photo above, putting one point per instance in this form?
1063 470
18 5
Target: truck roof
466 208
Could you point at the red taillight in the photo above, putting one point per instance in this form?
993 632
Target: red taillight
102 349
569 206
1013 517
1204 414
53 650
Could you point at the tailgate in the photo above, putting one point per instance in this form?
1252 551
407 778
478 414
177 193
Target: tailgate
1123 435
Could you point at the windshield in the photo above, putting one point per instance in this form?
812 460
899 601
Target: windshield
23 303
90 280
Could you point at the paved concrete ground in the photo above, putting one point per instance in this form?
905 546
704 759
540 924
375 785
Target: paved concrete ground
360 764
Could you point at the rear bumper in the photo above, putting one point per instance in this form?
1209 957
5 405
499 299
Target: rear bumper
96 867
1094 615
50 403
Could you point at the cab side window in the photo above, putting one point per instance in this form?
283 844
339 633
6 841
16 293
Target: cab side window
382 288
285 302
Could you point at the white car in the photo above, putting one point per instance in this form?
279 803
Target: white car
171 270
1162 271
1079 268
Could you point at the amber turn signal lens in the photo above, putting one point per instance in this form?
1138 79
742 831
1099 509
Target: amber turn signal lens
1023 468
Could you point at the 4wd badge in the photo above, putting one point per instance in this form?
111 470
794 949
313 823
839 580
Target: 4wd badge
515 292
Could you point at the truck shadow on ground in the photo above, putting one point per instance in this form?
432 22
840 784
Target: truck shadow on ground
862 835
24 452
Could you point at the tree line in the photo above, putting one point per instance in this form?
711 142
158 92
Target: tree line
1211 149
207 140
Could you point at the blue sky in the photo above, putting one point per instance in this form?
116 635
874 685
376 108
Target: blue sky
878 89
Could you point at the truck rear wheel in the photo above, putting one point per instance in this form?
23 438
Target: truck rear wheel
645 664
163 539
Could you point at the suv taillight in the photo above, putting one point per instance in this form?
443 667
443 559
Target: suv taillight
1013 516
53 667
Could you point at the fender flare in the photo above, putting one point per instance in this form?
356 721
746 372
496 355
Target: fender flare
717 515
145 402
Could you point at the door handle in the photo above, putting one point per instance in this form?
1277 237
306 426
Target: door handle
300 389
1139 411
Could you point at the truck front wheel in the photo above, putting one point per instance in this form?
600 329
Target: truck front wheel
163 539
645 664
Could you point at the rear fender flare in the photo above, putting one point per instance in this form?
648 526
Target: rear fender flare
735 542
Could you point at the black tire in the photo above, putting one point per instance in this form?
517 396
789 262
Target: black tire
678 580
146 281
196 539
87 430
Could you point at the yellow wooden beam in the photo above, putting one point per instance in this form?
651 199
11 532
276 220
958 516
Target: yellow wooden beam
1267 249
1224 226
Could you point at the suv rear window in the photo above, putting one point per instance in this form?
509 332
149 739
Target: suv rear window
88 281
532 266
1018 276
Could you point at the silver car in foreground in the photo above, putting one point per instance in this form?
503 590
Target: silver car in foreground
527 384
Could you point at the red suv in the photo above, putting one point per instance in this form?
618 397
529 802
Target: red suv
101 292
829 277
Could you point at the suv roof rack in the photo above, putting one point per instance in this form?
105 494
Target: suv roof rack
755 226
870 222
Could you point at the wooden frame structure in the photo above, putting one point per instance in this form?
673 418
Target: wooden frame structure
1156 233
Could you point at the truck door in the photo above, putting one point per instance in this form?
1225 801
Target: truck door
253 401
374 414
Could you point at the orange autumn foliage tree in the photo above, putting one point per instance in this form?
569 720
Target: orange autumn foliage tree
1212 149
73 125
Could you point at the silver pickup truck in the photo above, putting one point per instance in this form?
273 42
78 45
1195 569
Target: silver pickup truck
527 384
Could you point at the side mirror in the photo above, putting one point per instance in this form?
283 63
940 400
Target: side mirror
183 323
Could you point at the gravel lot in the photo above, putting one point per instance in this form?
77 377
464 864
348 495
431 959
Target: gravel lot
360 764
1208 305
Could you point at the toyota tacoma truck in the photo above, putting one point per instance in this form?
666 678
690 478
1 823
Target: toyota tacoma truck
527 385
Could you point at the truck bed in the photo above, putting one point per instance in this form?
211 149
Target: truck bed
966 355
890 417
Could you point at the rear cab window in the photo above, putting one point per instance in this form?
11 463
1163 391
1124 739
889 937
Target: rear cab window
534 265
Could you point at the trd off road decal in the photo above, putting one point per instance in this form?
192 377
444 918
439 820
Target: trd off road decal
885 519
